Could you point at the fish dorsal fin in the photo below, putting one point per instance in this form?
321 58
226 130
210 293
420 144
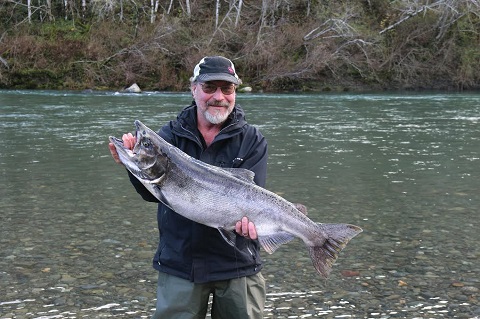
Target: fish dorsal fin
271 243
302 208
241 173
228 235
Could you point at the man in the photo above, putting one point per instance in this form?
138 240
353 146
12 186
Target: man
193 260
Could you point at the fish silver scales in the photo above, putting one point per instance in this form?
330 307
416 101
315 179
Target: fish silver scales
219 197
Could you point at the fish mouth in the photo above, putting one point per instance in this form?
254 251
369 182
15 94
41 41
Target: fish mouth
128 156
121 149
139 132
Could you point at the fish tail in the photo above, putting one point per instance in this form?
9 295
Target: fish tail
336 238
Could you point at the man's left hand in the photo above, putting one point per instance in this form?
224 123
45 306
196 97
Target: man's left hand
246 228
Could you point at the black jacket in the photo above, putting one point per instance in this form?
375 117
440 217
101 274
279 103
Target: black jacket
191 250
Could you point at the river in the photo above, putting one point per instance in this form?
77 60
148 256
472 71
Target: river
77 241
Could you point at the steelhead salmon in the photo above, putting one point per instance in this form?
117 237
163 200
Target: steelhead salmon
219 197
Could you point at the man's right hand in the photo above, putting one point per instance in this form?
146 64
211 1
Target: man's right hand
128 141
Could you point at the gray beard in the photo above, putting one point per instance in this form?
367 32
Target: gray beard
218 118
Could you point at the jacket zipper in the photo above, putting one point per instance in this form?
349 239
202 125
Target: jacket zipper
253 257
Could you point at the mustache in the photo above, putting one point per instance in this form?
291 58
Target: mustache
218 103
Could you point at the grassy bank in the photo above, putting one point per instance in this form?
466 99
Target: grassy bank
302 45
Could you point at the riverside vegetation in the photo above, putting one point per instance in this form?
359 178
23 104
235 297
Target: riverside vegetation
277 45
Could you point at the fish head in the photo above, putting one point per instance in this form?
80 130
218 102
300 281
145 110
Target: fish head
147 161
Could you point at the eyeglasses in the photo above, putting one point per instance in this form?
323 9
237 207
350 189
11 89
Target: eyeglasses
211 88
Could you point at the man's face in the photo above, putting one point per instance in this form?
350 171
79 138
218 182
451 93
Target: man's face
215 100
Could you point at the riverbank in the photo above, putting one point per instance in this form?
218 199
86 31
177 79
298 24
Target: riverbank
325 46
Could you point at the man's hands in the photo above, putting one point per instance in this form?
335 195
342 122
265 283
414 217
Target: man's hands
246 228
128 141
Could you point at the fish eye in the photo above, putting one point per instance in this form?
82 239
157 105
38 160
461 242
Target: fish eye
146 143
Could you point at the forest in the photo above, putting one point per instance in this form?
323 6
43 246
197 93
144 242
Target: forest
276 45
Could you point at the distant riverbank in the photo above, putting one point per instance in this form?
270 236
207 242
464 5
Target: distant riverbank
294 46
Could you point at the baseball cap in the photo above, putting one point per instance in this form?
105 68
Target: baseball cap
215 68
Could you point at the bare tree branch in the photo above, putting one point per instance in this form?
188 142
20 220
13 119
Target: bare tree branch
4 62
239 9
337 28
407 15
449 11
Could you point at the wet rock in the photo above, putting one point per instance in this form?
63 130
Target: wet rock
67 278
350 273
470 289
134 88
62 301
111 241
246 89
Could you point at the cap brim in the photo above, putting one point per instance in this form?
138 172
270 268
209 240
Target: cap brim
218 77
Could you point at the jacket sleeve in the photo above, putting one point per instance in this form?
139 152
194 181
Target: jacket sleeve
254 154
142 190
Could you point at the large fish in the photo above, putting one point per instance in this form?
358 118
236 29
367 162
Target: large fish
219 197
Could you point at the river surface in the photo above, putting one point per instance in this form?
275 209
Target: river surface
77 241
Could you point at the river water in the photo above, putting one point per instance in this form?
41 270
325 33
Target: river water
77 241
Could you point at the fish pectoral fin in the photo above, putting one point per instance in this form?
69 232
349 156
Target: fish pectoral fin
229 236
271 243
